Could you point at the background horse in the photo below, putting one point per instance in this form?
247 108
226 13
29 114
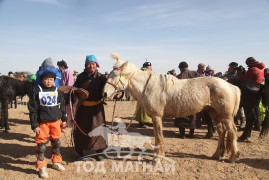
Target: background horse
9 89
166 96
251 94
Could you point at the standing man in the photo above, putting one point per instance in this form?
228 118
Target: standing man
189 121
201 70
67 76
255 72
90 114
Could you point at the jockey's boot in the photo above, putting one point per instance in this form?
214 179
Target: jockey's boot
58 166
43 173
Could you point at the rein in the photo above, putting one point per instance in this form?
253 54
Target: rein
72 114
144 90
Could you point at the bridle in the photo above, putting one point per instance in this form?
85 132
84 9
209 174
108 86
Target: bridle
115 85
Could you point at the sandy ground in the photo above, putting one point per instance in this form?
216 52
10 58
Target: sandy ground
191 157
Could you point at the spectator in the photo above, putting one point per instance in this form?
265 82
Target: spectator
10 74
189 121
67 76
201 69
255 72
231 73
47 65
75 74
141 115
172 72
266 76
209 71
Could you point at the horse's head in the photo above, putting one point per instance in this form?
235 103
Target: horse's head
117 79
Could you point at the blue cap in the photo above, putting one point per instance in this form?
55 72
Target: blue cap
91 58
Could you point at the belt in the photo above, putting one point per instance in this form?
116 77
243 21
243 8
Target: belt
91 103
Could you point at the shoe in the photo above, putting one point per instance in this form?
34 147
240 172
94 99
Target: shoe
43 173
208 136
58 166
256 128
191 136
99 158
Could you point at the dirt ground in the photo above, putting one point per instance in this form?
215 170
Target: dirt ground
191 157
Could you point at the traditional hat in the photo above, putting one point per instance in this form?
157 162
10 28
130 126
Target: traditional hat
91 58
146 64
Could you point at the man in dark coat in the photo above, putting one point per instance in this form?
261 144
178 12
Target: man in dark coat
90 114
189 121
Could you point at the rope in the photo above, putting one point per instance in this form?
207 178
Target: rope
72 115
113 113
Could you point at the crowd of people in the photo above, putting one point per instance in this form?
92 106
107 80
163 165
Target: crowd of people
48 113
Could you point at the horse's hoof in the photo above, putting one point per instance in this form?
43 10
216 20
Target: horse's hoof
216 156
231 160
244 140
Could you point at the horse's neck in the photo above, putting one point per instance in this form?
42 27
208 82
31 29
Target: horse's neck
138 83
22 88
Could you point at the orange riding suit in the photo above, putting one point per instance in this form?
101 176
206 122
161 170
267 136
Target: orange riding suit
47 109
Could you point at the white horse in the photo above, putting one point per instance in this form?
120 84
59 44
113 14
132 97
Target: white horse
166 96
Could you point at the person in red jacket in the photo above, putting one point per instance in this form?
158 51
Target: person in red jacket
255 72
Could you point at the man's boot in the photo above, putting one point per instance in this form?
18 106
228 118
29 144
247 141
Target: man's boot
191 135
181 133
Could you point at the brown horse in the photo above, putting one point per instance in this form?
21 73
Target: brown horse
9 89
251 94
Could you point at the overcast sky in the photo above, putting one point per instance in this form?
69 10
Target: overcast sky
165 32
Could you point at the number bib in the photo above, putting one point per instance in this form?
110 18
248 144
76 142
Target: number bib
48 98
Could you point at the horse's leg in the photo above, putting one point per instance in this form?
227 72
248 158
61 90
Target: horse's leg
2 116
221 132
158 133
5 114
231 142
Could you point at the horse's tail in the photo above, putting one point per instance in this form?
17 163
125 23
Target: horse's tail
237 100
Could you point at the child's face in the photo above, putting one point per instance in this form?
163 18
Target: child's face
48 82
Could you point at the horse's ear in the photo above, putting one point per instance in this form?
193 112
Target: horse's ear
115 56
124 65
